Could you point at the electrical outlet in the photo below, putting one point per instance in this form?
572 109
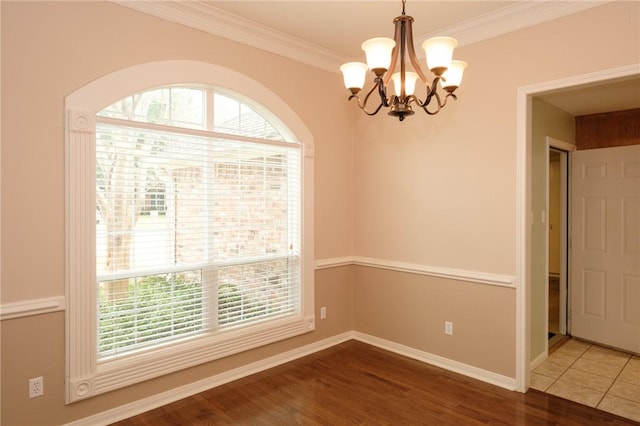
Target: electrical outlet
36 387
323 312
448 328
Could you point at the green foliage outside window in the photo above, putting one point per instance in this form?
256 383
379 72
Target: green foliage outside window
166 306
156 307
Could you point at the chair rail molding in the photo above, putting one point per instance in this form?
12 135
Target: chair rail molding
413 268
32 307
46 305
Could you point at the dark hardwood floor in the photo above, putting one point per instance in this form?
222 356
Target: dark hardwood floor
355 383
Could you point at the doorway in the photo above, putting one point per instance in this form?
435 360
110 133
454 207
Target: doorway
568 88
557 237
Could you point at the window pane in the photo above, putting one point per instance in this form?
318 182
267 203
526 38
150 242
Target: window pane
146 184
172 204
152 106
226 116
122 109
168 199
257 290
176 106
138 312
233 117
187 108
252 195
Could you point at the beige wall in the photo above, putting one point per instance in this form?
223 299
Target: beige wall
431 191
442 190
411 309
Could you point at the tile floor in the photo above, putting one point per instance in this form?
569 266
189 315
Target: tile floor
592 375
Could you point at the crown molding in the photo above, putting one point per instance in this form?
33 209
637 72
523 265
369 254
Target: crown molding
511 18
202 16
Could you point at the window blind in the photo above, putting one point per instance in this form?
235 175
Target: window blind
194 234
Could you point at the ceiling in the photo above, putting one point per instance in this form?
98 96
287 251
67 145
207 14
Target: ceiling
613 95
342 26
328 33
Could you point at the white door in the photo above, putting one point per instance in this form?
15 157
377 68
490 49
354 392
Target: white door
605 246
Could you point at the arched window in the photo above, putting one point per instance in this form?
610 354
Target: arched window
185 236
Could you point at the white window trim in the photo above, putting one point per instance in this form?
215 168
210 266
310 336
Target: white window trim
85 377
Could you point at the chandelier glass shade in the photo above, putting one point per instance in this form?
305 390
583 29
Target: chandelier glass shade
384 55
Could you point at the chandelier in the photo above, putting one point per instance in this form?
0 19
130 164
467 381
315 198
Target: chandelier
385 54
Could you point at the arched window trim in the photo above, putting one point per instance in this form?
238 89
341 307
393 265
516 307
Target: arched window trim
84 376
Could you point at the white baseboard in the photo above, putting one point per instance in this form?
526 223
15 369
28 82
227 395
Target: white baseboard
138 407
143 405
539 360
448 364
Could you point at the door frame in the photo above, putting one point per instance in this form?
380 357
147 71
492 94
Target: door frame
524 215
565 149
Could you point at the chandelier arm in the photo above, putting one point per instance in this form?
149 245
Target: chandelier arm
394 52
412 98
366 98
362 104
413 58
449 95
374 112
382 92
440 104
431 92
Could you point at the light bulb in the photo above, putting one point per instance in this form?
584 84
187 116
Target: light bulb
354 74
410 79
439 51
453 75
378 51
